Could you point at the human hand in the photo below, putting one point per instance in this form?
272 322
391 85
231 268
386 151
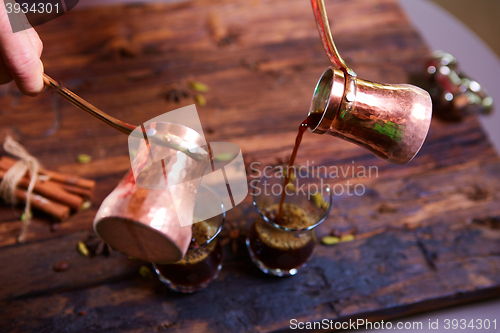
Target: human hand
20 56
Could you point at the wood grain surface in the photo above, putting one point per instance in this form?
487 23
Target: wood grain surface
424 238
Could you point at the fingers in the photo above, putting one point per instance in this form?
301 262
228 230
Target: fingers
25 67
35 41
21 57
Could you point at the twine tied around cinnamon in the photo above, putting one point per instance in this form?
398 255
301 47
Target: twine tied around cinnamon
8 185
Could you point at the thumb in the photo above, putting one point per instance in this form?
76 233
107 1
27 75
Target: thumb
20 57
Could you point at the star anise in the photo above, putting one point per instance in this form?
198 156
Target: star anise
97 246
175 93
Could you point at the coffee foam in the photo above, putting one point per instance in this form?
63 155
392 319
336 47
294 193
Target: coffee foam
202 231
293 217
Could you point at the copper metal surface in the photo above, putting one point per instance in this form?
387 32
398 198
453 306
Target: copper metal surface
326 37
148 223
87 107
165 139
392 121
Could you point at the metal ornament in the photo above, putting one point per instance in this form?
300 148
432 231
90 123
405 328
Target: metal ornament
455 95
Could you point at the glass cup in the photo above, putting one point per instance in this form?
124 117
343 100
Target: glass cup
282 246
203 260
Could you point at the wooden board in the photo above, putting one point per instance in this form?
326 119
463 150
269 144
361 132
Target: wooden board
422 239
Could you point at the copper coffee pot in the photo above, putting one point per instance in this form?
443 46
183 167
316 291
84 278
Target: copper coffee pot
391 120
149 215
152 223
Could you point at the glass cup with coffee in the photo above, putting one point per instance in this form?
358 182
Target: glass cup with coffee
203 260
291 202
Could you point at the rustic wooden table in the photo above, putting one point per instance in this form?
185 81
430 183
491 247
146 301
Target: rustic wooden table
423 238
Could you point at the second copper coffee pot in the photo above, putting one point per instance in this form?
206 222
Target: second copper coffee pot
391 120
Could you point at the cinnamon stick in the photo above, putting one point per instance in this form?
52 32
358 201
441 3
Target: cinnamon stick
85 193
70 180
7 162
54 209
51 190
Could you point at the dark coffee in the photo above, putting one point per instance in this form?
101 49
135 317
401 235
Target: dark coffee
280 249
200 263
310 122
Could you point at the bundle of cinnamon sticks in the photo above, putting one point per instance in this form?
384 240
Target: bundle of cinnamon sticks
54 194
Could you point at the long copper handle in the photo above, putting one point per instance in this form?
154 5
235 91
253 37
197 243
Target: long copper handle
87 107
157 137
326 37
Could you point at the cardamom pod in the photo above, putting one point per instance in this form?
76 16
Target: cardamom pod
84 159
198 86
200 100
330 240
82 248
145 272
347 238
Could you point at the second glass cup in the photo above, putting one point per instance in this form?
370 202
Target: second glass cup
203 260
281 246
